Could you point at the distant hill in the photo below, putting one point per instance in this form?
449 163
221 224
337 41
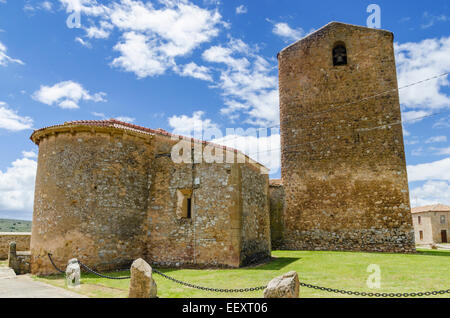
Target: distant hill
7 225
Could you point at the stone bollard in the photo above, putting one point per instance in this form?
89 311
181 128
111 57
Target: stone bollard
12 256
73 273
285 286
142 284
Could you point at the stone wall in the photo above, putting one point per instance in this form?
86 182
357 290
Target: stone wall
255 233
22 242
19 261
208 237
90 198
276 196
221 197
108 196
345 181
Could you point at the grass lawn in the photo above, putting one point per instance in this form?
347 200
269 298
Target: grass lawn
426 271
3 263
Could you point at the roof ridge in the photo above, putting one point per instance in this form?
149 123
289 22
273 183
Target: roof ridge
159 131
438 207
327 26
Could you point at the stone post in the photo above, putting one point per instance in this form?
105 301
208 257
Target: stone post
285 286
12 256
142 284
73 273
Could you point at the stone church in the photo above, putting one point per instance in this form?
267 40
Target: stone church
108 192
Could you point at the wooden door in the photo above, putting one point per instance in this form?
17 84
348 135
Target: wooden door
444 236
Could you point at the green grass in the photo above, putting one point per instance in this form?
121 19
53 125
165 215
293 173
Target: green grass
7 225
426 271
3 263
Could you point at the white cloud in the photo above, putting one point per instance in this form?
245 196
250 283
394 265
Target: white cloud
137 56
440 151
248 82
195 71
178 27
442 123
10 120
241 9
66 95
83 42
17 185
414 116
125 119
121 118
44 5
101 115
418 61
85 7
432 192
29 154
152 36
283 30
5 59
437 170
263 149
101 32
188 126
417 152
435 139
432 19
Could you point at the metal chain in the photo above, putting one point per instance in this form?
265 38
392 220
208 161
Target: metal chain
54 265
85 267
251 289
370 294
101 275
217 290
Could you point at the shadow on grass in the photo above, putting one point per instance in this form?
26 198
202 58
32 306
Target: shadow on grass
277 263
433 253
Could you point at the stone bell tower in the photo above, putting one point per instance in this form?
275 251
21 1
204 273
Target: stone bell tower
343 160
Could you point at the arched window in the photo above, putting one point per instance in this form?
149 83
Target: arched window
339 54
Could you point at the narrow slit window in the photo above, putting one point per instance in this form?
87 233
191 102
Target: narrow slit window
339 54
189 208
419 220
421 235
184 204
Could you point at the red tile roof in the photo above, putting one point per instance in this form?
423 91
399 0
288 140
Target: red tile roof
127 126
431 208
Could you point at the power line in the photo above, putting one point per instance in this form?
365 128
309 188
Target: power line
360 100
387 125
370 97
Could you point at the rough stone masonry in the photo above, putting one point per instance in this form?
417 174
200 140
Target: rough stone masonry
343 162
108 192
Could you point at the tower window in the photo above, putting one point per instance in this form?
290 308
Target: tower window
339 54
421 235
419 220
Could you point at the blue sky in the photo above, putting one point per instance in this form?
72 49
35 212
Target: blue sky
174 64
